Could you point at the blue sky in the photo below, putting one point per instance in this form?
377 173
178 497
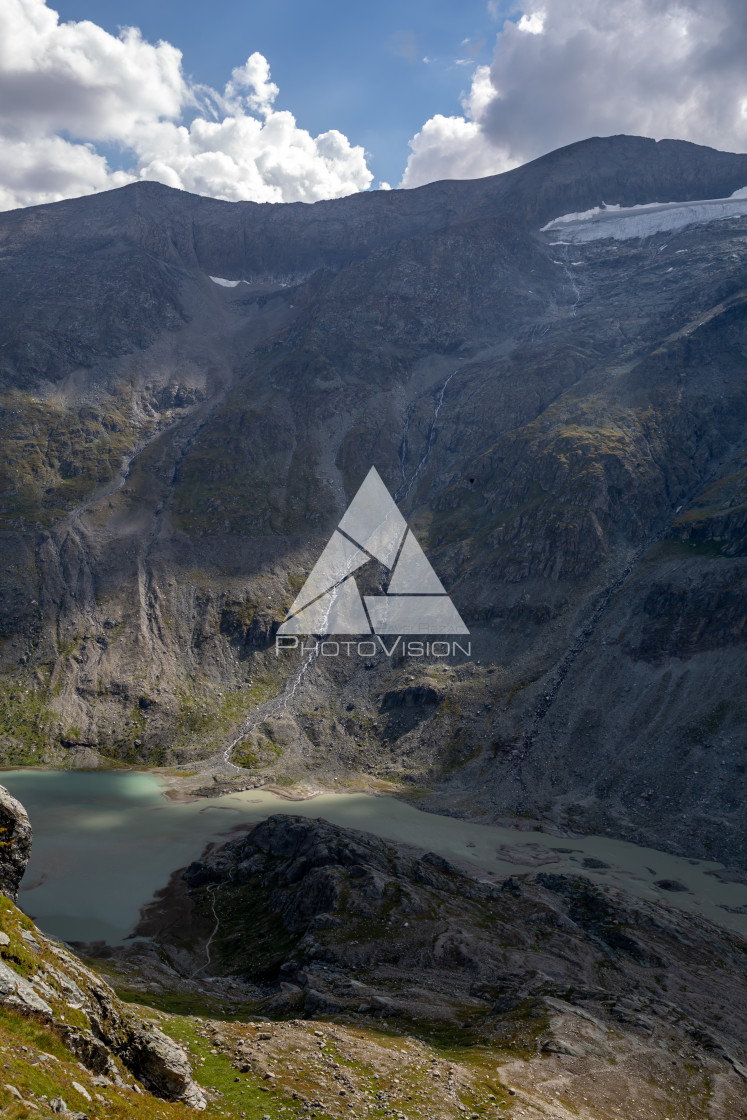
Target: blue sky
355 67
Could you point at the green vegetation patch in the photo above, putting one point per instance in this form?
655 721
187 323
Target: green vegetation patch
26 722
241 1094
57 456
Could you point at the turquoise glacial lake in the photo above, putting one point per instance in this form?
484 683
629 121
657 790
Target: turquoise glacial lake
104 843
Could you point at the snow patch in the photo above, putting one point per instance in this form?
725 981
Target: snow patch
227 283
646 219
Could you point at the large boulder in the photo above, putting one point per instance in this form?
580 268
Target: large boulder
15 843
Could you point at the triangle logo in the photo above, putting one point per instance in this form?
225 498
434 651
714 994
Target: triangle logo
372 528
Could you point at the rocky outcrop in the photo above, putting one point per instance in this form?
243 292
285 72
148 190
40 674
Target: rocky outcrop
40 978
15 843
158 1062
324 920
18 994
162 1065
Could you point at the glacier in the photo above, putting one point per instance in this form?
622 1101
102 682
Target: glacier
623 223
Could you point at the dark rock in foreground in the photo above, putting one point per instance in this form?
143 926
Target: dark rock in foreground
325 921
15 843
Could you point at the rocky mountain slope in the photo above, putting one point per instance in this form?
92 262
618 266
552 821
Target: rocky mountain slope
563 425
79 1027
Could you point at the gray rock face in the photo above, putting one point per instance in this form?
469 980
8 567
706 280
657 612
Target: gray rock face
162 1065
115 1030
17 993
15 843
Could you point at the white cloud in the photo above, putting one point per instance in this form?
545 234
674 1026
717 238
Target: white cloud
450 148
47 169
254 75
534 24
563 72
77 80
241 157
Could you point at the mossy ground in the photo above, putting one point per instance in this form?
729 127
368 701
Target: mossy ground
196 718
300 1071
200 717
27 722
57 456
332 1069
